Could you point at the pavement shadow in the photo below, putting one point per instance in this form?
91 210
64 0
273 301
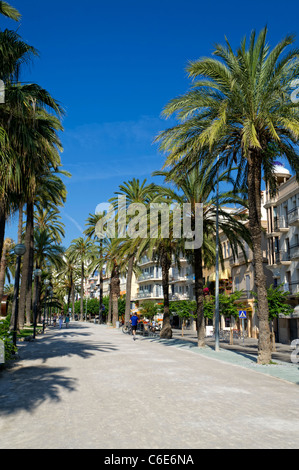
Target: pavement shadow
26 388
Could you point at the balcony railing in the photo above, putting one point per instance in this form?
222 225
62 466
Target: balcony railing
280 223
281 256
293 216
294 250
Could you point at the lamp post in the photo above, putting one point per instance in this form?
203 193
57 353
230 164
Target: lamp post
37 273
217 265
46 283
51 295
19 250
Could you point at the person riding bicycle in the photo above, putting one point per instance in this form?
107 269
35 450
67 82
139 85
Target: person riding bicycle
134 322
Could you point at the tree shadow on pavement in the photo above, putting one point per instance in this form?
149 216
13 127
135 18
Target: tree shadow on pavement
28 387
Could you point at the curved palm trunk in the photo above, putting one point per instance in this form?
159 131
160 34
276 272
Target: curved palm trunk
129 288
254 199
166 331
200 321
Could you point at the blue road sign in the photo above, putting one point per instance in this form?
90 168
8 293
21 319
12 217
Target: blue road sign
242 314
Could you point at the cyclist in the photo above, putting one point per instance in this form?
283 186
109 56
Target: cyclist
134 322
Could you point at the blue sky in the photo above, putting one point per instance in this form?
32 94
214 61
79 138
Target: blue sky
114 65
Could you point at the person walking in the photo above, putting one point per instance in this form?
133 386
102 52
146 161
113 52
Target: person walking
67 320
134 322
60 321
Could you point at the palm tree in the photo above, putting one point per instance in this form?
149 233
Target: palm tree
48 255
67 277
198 187
48 218
9 11
135 192
90 232
240 108
82 251
7 247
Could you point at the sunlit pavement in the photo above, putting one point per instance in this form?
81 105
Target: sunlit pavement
92 387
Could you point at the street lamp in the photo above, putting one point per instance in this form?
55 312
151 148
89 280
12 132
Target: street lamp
19 250
217 264
51 295
46 283
37 273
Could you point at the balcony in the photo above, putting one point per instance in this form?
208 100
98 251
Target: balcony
246 294
149 276
293 216
282 257
294 249
294 287
149 295
178 278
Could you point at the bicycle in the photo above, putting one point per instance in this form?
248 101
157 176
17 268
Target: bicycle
127 329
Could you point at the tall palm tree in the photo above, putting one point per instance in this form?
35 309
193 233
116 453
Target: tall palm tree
49 218
198 187
135 192
47 255
7 247
90 232
82 252
240 108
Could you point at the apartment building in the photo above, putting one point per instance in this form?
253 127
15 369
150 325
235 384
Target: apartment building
181 281
283 246
237 274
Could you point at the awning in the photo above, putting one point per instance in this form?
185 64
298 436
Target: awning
222 275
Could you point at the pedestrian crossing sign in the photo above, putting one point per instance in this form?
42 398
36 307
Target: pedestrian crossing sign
242 314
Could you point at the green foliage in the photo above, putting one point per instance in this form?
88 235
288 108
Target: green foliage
227 304
183 308
149 309
209 306
277 301
6 336
93 306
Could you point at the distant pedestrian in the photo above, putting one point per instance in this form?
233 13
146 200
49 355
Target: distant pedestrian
54 319
60 321
134 322
67 320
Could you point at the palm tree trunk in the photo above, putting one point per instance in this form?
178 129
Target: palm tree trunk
3 268
27 269
109 319
166 331
115 293
2 225
129 288
20 223
200 321
254 200
101 297
30 269
82 292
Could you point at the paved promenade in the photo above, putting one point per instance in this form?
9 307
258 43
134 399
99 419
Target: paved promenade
92 387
